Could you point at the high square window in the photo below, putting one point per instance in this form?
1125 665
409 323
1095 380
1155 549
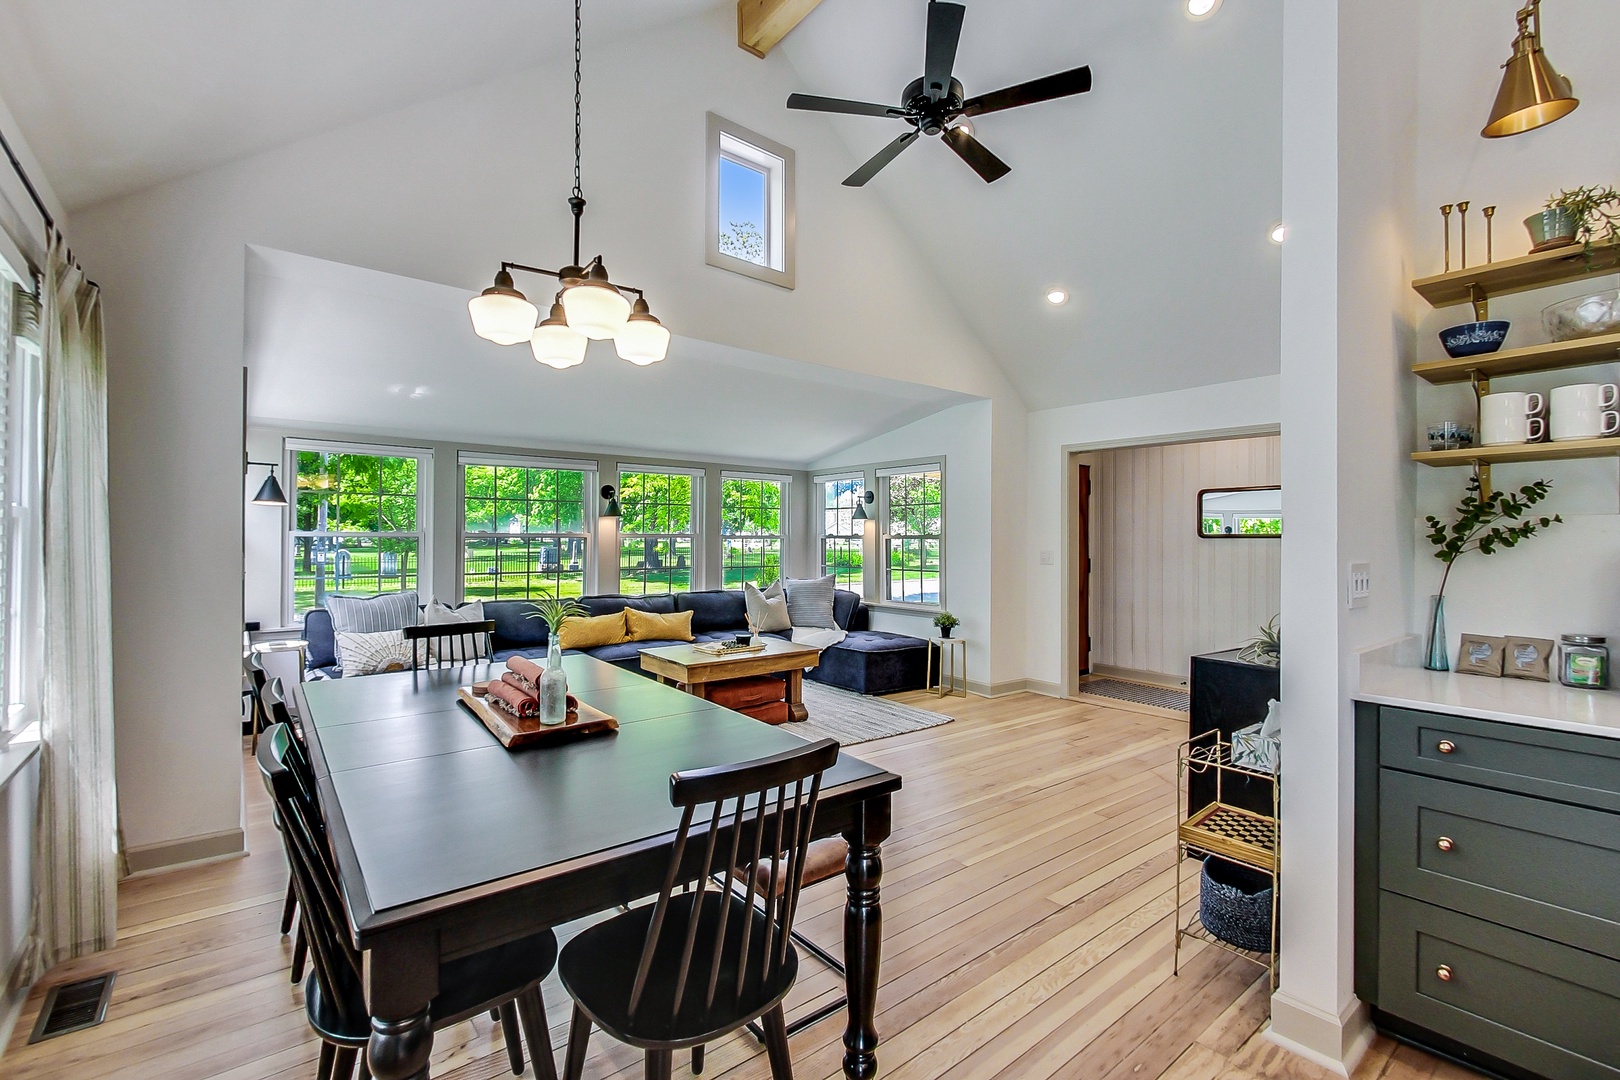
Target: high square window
750 204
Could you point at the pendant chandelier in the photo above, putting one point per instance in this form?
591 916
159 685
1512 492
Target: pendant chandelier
589 305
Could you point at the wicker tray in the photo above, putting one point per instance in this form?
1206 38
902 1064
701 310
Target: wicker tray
515 732
1232 833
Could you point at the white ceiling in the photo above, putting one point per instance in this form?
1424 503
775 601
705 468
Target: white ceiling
341 348
1150 199
117 96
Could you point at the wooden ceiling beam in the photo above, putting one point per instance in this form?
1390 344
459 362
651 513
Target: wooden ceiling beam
761 24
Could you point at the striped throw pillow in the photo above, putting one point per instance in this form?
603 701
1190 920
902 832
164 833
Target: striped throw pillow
373 614
810 602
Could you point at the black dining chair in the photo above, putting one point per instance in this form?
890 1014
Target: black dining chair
505 979
696 966
440 645
296 759
253 668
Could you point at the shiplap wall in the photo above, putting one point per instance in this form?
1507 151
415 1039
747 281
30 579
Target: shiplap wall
1161 593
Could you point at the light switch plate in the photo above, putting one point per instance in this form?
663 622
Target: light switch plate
1048 558
1358 585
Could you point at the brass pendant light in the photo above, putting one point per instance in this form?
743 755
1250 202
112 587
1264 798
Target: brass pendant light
1533 94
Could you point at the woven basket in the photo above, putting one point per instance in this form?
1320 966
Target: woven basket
1234 904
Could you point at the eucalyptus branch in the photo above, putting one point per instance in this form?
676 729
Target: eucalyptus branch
1488 524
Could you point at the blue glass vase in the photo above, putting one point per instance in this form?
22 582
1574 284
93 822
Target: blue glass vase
1436 658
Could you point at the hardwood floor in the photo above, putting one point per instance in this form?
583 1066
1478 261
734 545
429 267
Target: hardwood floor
1027 933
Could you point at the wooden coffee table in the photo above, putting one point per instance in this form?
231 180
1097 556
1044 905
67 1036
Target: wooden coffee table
699 670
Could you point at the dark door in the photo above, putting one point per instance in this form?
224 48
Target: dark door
1083 554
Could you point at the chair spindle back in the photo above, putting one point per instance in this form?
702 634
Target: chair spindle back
441 645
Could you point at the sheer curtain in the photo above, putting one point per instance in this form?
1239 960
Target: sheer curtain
77 862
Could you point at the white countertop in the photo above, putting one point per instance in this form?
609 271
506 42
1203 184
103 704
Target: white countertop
1513 701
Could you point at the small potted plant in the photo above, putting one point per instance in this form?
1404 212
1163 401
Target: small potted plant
1588 214
946 623
1266 646
553 688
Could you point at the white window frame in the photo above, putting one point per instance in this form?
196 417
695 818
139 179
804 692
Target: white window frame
784 482
21 558
423 534
884 475
589 523
780 227
823 536
694 535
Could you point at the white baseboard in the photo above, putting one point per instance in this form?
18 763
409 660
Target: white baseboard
1336 1043
189 851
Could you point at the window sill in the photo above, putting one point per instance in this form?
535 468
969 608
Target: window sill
927 610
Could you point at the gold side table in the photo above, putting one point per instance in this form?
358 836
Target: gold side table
949 668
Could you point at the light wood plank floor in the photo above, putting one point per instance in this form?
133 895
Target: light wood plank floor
1028 897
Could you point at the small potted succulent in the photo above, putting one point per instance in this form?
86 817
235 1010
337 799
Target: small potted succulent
1266 646
946 623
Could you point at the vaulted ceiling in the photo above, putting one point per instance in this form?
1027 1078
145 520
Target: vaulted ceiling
1149 199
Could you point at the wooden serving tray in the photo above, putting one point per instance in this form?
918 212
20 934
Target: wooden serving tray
515 733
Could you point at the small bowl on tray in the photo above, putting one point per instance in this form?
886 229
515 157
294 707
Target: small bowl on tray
1475 338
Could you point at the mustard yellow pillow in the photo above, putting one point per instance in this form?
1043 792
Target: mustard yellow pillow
648 626
593 631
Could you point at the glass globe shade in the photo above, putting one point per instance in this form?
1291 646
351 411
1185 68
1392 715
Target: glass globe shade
558 345
597 311
643 341
502 316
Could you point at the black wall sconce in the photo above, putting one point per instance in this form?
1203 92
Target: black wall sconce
270 493
861 513
612 497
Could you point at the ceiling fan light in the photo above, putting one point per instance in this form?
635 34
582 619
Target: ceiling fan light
556 344
502 314
643 340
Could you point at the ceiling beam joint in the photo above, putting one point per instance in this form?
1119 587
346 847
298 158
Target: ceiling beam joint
762 24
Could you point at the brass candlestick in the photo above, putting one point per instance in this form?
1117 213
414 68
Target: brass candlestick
1462 217
1489 212
1445 213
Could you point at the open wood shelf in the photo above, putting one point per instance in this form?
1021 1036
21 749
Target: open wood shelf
1517 275
1548 357
1501 455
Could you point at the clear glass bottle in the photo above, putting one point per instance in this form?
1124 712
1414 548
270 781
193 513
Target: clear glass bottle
553 686
1583 661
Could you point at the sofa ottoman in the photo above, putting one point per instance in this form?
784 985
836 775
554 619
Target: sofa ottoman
874 662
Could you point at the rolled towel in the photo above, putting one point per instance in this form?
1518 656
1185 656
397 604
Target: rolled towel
517 682
516 701
526 669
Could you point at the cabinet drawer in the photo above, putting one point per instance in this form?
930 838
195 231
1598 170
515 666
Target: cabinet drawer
1581 769
1550 868
1545 1007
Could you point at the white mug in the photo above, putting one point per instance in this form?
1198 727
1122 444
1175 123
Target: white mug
1511 417
1581 411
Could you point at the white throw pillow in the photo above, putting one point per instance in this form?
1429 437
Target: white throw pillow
810 602
767 610
466 645
372 654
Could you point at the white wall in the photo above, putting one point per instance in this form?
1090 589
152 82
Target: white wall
264 526
440 191
1349 137
1161 593
962 439
1247 406
1567 581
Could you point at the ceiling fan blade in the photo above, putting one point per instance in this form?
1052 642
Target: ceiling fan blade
1063 84
972 151
944 32
812 103
860 176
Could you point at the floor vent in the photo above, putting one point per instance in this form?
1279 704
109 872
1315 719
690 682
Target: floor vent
73 1007
1160 697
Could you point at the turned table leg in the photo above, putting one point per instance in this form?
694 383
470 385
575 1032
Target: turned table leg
795 695
863 935
402 977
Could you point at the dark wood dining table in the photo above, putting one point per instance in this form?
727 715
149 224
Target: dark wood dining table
447 843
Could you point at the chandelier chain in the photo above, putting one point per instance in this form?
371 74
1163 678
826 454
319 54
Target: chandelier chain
578 192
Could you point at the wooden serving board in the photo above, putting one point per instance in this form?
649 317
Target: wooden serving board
515 733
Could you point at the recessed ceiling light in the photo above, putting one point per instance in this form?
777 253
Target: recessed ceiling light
1279 233
1057 296
1202 9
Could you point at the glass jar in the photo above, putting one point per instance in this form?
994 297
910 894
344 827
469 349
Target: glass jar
1583 661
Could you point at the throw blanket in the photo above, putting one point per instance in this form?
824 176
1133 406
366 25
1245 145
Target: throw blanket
817 638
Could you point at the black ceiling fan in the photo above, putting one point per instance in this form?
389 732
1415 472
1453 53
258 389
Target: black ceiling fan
933 104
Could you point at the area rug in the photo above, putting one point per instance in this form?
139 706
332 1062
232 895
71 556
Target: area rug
856 718
1160 697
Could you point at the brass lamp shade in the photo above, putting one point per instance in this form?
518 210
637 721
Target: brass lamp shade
1532 94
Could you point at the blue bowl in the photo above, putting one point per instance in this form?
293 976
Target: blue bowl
1474 338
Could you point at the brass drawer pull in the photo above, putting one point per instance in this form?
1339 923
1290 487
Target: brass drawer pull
1446 746
1445 843
1443 973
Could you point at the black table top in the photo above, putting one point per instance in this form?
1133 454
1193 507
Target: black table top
429 803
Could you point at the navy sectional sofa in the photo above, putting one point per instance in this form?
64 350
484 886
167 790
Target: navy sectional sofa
867 661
